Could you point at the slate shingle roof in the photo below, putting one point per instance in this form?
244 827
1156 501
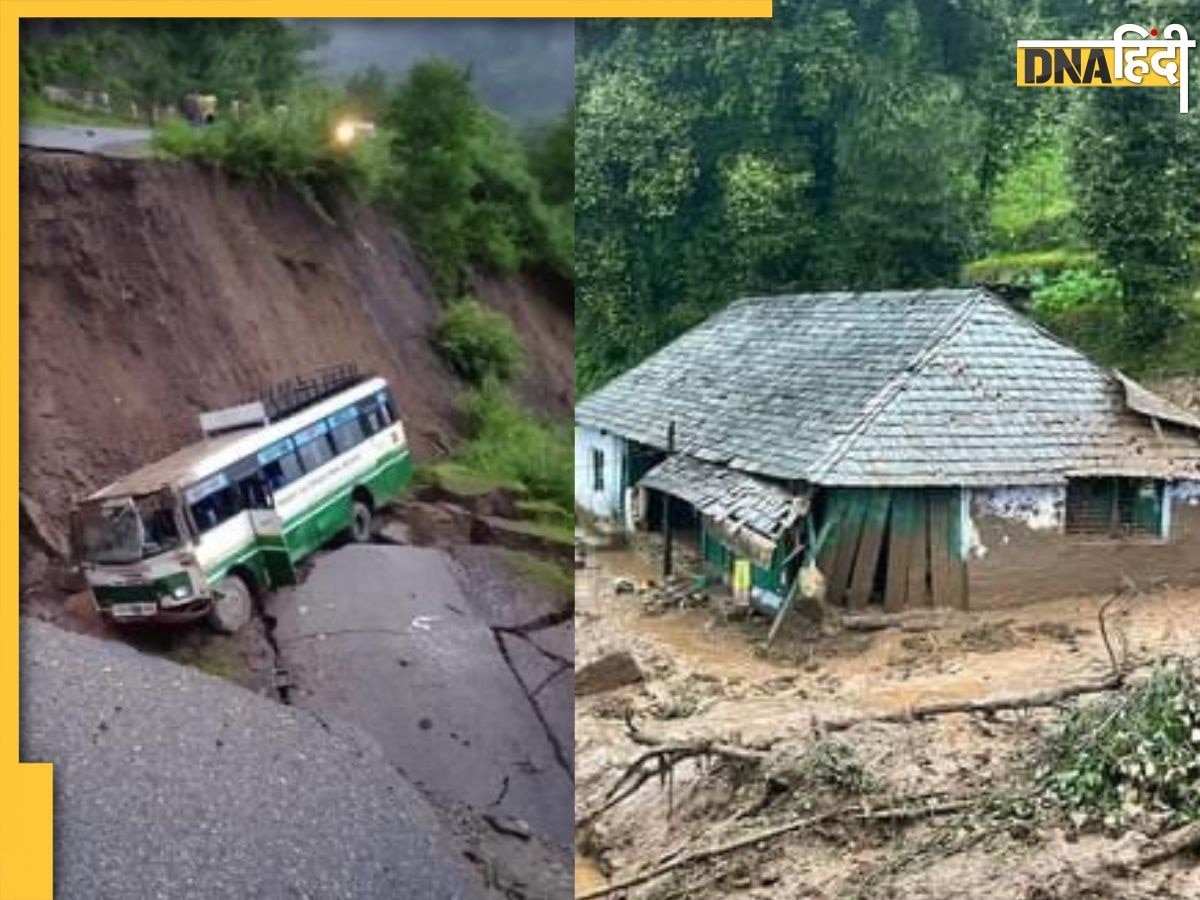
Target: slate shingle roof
913 388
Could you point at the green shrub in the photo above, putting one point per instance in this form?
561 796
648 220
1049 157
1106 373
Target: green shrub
479 343
292 145
507 442
1032 205
1133 755
1031 267
1076 288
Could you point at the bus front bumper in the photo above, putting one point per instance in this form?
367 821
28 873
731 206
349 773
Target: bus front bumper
167 600
122 613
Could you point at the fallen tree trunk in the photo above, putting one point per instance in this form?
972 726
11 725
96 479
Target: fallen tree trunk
1048 697
1171 844
911 620
906 810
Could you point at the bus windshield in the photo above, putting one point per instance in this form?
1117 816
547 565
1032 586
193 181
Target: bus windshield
126 529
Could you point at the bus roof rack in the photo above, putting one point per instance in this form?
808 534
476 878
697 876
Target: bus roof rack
291 395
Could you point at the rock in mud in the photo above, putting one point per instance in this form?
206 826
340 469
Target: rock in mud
509 825
42 529
607 674
394 531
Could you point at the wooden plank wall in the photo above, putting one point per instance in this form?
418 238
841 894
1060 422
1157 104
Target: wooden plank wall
914 533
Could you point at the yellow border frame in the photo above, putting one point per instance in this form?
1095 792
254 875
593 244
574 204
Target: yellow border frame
26 789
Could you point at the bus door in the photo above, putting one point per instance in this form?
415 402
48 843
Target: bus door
258 502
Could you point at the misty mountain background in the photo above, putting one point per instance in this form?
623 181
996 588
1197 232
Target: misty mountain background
525 68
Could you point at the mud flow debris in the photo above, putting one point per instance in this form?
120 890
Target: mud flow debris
894 758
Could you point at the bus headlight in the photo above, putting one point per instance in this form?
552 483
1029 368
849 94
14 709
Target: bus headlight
178 591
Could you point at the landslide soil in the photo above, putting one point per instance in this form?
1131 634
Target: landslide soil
152 291
709 679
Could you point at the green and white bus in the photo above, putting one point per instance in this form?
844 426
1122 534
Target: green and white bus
203 531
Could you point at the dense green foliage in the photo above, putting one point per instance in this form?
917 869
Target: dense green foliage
510 444
462 182
160 60
846 144
1136 755
289 147
456 174
479 343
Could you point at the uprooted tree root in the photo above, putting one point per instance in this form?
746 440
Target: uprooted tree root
659 763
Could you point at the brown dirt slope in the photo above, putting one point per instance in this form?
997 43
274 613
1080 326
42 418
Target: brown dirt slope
152 291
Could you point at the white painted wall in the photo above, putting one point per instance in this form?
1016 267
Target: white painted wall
1037 507
608 502
1178 495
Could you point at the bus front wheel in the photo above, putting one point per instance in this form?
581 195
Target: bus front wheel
232 606
361 526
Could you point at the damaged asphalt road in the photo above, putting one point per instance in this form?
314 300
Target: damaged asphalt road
385 637
172 783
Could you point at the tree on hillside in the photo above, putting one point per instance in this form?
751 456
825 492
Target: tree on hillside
432 117
552 159
160 60
1136 164
462 183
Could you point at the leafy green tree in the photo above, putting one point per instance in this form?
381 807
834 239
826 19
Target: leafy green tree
431 118
1137 173
552 159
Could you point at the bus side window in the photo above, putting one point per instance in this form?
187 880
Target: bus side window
216 508
386 408
316 453
282 471
372 422
313 445
347 435
255 494
280 466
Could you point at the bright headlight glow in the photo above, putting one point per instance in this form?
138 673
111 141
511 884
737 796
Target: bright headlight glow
180 592
345 132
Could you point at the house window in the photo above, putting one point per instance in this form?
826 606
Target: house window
598 471
1115 507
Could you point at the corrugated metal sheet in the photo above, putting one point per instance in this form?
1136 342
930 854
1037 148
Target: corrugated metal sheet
947 387
742 507
1150 404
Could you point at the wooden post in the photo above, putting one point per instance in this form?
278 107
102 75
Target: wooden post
668 562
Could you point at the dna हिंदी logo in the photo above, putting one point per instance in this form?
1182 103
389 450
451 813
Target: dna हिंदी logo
1134 57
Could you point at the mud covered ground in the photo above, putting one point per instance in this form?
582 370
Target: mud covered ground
708 680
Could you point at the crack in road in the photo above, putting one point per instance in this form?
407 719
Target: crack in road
560 754
549 654
563 667
281 678
503 793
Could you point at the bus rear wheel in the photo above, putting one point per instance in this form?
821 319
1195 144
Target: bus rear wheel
361 524
232 606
